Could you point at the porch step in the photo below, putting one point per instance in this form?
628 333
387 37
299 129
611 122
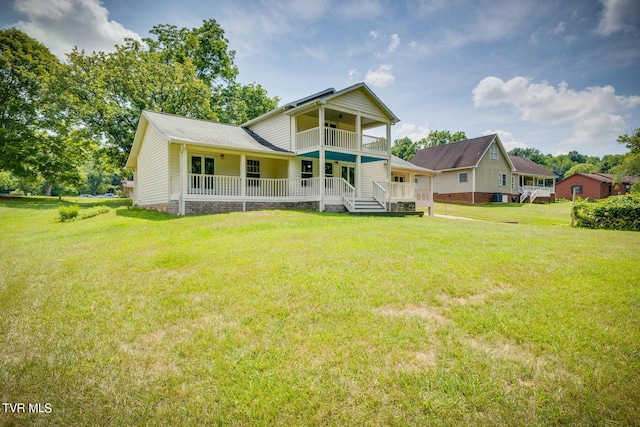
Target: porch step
368 204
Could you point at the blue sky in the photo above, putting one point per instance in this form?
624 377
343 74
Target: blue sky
552 75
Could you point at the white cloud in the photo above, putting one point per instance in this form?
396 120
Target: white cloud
61 24
354 76
559 28
595 112
533 38
382 77
319 53
373 34
413 132
618 15
395 42
507 139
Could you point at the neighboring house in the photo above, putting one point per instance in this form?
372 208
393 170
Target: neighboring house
532 181
312 154
127 188
479 170
593 186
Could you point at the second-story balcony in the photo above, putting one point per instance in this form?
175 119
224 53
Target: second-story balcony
342 139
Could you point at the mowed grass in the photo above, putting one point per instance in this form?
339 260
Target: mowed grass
300 318
555 214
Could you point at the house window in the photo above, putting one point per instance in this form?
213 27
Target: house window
493 152
253 173
307 169
328 170
576 189
513 182
398 178
502 180
462 177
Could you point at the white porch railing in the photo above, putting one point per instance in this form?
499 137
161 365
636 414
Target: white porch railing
338 138
534 192
380 193
422 194
348 195
374 144
220 185
402 190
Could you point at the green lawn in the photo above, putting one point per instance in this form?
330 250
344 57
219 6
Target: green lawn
299 318
526 213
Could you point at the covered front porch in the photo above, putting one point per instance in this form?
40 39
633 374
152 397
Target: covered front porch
220 181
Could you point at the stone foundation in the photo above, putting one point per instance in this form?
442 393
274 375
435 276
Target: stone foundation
193 207
162 207
403 207
301 206
335 208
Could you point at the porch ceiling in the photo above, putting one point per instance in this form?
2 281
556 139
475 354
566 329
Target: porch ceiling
342 157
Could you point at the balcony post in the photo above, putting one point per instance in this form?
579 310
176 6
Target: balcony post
388 163
321 157
358 132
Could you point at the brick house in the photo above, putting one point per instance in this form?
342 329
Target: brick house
593 186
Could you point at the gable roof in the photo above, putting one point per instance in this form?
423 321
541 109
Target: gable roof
323 97
179 129
604 178
524 165
457 155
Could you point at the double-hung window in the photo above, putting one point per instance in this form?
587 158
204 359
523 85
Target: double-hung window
493 152
462 177
502 180
253 172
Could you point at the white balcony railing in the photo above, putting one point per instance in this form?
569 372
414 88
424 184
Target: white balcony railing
374 144
338 138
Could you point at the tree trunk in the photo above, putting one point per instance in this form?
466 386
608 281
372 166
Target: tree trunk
48 190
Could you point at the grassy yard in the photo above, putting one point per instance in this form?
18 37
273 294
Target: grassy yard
558 214
293 318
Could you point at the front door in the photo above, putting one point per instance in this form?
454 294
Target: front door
349 174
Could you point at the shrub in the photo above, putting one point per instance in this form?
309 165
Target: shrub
613 213
69 212
91 212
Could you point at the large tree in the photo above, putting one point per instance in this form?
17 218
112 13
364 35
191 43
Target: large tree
631 163
38 137
25 76
404 148
189 72
441 137
111 89
208 50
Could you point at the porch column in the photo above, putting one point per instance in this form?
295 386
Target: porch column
321 157
358 175
243 175
388 163
184 178
358 132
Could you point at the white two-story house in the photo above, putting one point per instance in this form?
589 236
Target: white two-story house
329 151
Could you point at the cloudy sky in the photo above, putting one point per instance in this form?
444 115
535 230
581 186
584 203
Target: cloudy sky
552 75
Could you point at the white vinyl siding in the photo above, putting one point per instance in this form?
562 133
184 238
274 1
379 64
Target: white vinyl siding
489 170
358 101
275 130
372 171
152 180
449 182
